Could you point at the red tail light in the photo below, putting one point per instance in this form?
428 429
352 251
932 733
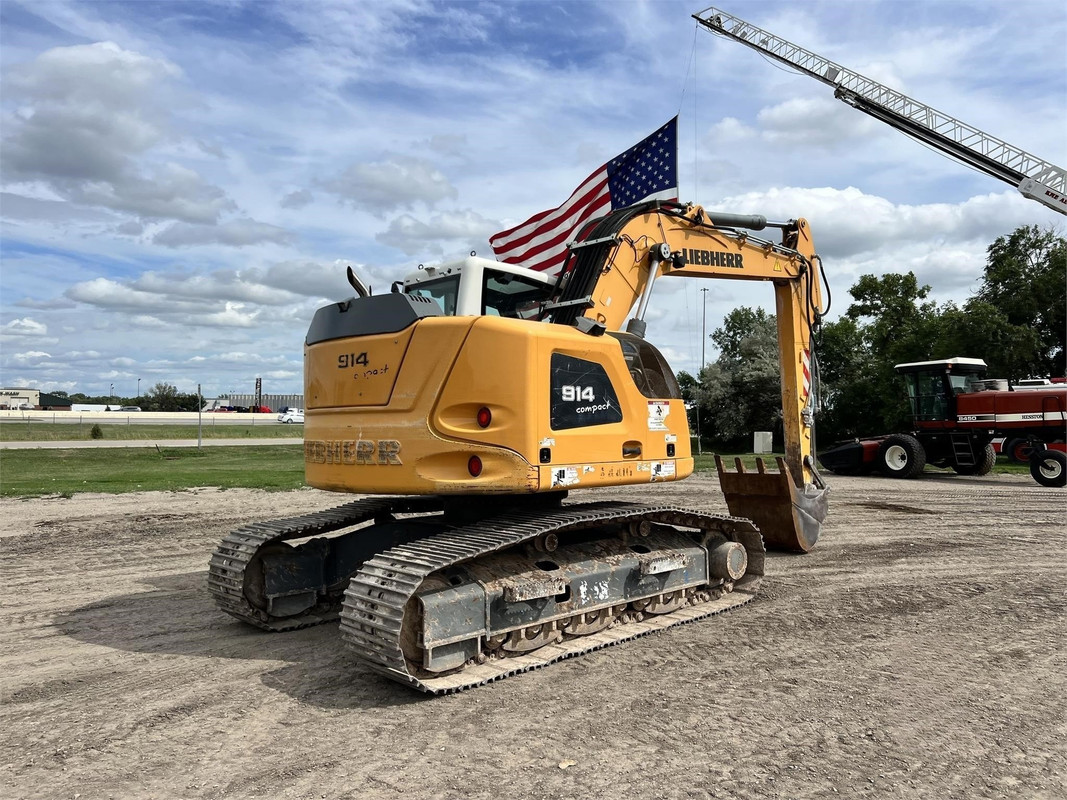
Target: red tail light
474 466
485 416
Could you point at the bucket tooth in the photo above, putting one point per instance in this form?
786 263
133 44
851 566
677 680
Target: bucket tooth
789 516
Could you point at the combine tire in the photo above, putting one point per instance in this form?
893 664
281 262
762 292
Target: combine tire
901 456
1019 450
986 461
1049 468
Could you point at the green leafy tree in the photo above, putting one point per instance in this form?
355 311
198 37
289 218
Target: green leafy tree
1025 278
981 330
897 324
741 390
845 367
162 397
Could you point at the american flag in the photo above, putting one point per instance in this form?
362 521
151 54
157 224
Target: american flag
647 171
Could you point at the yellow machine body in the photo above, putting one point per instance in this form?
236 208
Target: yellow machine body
540 407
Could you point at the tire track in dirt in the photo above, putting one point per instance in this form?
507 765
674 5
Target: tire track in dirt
919 651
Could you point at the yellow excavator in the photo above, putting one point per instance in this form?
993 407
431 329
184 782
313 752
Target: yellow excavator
465 404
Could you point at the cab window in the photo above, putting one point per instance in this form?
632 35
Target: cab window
650 372
926 391
507 295
442 290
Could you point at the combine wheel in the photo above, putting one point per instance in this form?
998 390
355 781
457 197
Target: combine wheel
1049 468
1020 450
901 456
987 459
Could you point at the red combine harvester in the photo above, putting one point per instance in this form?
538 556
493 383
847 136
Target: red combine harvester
955 417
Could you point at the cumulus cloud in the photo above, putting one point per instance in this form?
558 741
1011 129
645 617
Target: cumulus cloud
813 121
297 199
856 234
234 233
390 185
233 316
223 284
412 236
89 118
110 294
317 279
23 326
33 356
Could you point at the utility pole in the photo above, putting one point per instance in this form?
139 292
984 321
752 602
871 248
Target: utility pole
138 391
703 340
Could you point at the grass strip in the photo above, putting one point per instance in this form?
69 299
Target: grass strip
38 431
32 473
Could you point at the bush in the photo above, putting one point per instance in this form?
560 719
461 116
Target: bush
96 432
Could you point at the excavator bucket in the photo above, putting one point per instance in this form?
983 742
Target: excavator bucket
788 516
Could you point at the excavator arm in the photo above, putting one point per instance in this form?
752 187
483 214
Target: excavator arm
612 273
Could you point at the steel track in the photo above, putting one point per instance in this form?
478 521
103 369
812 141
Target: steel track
229 564
372 616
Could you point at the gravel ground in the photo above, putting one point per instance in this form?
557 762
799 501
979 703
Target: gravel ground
919 651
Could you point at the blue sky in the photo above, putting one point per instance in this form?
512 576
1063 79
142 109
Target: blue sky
183 183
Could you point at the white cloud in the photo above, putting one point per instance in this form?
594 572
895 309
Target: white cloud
438 234
89 117
401 182
24 326
235 233
30 356
233 316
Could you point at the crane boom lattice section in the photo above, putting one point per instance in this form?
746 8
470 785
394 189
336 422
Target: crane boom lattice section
1036 178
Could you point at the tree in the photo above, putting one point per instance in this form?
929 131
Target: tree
981 330
897 324
741 390
1025 278
162 397
845 367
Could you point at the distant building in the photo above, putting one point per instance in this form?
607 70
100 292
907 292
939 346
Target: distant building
32 400
274 402
53 402
20 398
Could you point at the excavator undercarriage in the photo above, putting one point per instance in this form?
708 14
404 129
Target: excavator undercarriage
445 607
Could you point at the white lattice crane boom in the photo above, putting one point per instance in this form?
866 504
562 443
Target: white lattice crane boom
1034 177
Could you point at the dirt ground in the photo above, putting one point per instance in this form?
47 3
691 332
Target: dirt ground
920 651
